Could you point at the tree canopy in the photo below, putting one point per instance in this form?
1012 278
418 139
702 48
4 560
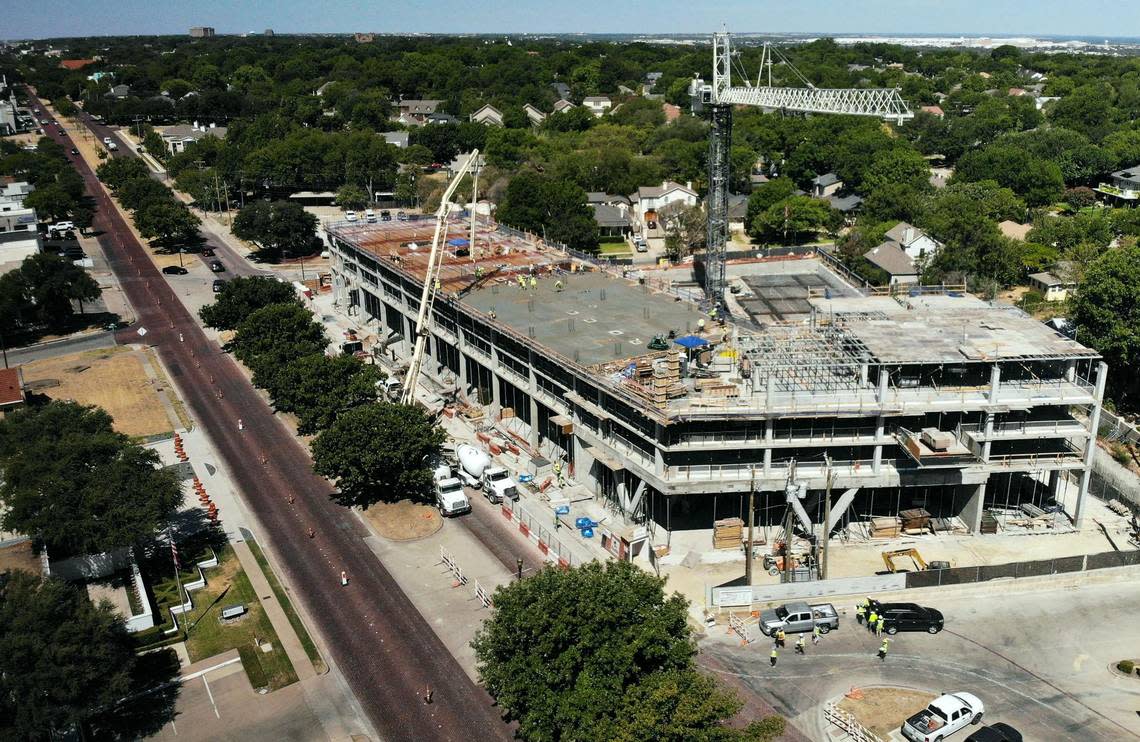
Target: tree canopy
379 452
274 336
1107 315
550 207
620 668
241 297
319 388
40 293
279 229
71 480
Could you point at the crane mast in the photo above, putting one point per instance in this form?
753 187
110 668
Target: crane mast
431 277
720 97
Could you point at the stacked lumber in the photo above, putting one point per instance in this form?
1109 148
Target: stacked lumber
918 518
1118 507
989 523
885 527
728 533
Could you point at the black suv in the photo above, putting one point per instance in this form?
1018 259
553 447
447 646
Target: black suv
908 617
999 732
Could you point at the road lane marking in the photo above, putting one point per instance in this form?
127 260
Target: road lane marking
211 695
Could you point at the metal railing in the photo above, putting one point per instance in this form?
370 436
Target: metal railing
542 531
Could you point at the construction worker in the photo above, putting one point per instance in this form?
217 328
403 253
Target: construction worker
478 272
872 620
780 638
428 693
879 626
522 282
860 613
801 645
558 285
343 578
815 635
492 314
533 282
883 649
312 533
437 285
558 472
773 656
712 314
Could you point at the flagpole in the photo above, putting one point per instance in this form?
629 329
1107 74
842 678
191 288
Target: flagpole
177 567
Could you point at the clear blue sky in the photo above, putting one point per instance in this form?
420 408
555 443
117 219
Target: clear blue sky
31 18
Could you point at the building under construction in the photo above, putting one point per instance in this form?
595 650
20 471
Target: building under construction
932 400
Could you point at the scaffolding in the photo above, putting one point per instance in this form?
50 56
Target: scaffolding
822 358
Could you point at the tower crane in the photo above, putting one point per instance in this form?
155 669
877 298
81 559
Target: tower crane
720 96
431 278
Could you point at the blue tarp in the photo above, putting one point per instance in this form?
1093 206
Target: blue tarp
691 341
457 242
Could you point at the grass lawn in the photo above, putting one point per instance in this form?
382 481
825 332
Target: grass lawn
207 636
614 248
287 606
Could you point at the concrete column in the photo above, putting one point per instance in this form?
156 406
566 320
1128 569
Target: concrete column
532 439
658 462
1090 445
995 382
884 379
972 512
769 435
864 370
771 391
989 431
1070 371
877 457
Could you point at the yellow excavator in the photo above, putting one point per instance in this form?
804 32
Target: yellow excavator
920 564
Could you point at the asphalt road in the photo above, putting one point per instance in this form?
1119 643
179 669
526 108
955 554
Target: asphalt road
1039 661
65 346
383 646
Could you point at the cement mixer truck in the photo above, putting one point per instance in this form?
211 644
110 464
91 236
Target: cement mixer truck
476 469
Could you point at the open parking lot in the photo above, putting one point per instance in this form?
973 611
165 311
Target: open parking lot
1040 661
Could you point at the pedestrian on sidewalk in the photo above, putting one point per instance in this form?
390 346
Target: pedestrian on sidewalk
883 649
773 657
801 644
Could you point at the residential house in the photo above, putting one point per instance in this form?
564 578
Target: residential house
1015 231
440 117
562 105
121 90
651 79
1043 100
917 245
597 197
416 107
612 221
848 205
562 89
598 104
1123 187
488 115
823 186
650 199
672 112
737 212
460 160
535 115
626 90
97 76
179 137
19 237
321 90
933 111
364 38
201 32
1053 288
75 64
1017 92
12 395
894 262
397 138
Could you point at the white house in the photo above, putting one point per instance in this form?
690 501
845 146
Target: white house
488 115
649 199
178 138
460 159
563 105
534 114
1054 288
918 245
396 138
598 104
896 263
823 186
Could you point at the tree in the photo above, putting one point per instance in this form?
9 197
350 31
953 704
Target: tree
620 668
319 388
41 291
1107 315
685 229
379 452
50 201
139 193
167 221
274 336
899 165
74 482
61 658
1035 179
351 197
118 170
241 297
279 229
551 207
793 221
767 194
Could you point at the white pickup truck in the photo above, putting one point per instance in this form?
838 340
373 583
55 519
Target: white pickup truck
949 713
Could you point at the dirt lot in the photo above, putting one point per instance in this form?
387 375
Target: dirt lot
19 556
883 710
403 520
114 379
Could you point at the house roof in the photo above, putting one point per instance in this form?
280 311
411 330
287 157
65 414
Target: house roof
1131 174
1015 231
737 206
563 105
890 257
597 197
530 108
398 138
561 88
599 99
899 234
186 131
672 112
321 90
845 203
1048 279
936 110
826 179
610 216
413 105
659 191
439 117
75 64
488 113
11 386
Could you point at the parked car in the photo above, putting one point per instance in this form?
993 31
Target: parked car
369 215
908 617
651 225
386 215
401 216
350 216
74 151
219 283
207 252
106 140
112 146
640 244
945 715
1000 732
175 270
798 618
217 267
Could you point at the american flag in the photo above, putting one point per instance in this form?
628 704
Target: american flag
174 553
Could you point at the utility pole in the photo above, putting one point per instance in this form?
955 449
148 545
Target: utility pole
751 519
790 491
826 517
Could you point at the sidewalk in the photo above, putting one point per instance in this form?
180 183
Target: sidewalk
285 634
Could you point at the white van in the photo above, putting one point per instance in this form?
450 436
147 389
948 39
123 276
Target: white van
640 244
450 497
369 216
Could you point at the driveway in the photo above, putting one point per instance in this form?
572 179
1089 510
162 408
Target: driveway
1039 661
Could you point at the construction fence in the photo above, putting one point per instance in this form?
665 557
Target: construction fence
742 596
542 532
